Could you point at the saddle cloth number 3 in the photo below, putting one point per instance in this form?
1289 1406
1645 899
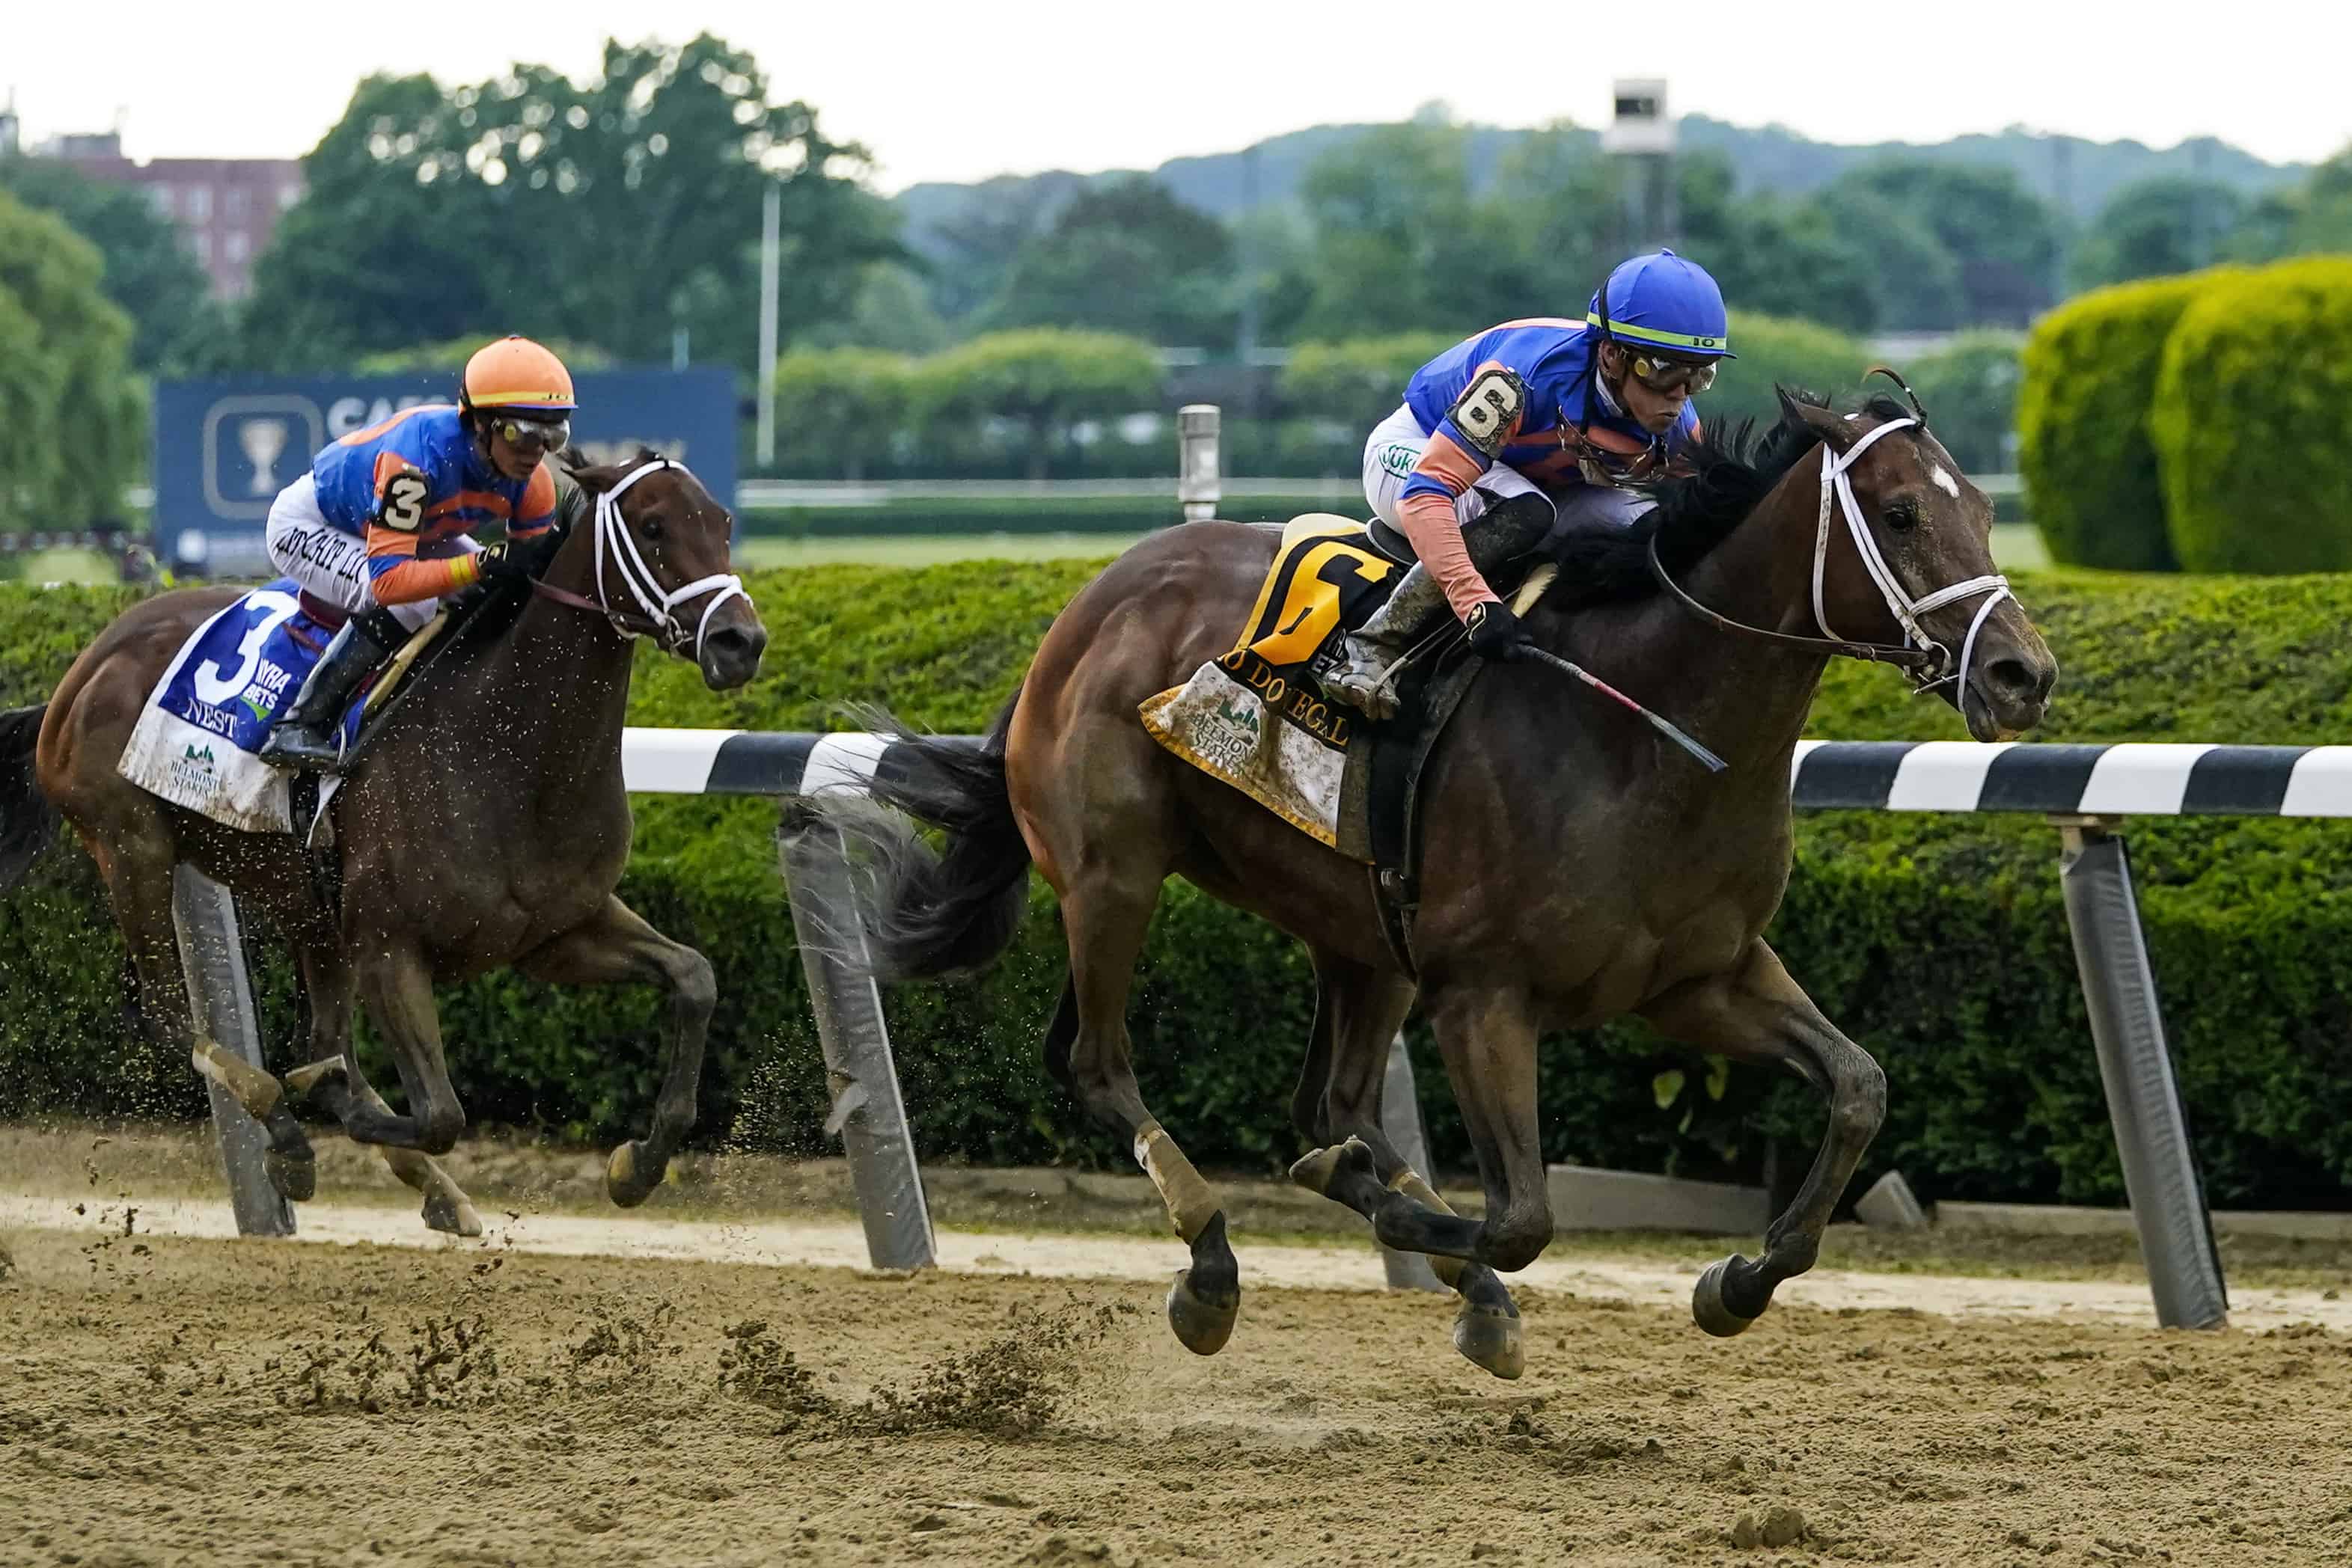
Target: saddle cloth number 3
1488 409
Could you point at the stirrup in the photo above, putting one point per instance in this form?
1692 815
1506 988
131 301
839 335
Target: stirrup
301 746
1368 689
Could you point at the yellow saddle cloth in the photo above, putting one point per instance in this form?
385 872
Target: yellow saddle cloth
1257 717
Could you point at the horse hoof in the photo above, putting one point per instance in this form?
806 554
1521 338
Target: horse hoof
296 1176
623 1182
1707 1306
451 1216
1316 1171
1201 1324
1491 1340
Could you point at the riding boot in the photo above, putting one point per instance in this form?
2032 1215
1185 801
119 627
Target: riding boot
305 734
1369 654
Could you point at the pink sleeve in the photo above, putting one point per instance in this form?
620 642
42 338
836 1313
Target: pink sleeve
1436 537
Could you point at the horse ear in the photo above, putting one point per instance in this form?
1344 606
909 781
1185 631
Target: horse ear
594 480
1836 432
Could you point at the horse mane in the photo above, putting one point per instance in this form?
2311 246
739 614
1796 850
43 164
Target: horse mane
1723 476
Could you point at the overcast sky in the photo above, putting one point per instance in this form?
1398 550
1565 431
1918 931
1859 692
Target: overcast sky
961 91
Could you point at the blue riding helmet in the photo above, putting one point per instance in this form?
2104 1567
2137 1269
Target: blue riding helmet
1664 301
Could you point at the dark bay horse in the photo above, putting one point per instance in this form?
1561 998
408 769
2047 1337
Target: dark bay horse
486 826
1576 868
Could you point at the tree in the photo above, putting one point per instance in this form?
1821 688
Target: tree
2313 217
32 444
1126 256
149 271
969 253
890 309
2003 238
1042 380
385 248
75 424
445 360
1360 382
612 213
845 405
1913 280
2155 228
1774 257
1395 245
1553 204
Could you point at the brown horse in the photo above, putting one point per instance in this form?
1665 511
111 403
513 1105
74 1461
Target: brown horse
485 826
1576 867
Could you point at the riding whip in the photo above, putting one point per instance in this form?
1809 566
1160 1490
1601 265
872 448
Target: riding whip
1524 601
1665 726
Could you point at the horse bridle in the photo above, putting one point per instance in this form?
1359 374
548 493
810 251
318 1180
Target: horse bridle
1930 661
654 614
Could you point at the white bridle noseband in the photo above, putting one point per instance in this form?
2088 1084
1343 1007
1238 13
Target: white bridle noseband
1905 608
656 607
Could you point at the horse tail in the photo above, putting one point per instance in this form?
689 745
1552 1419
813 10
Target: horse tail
27 820
952 910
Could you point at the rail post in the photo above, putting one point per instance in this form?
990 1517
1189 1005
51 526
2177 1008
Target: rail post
1199 486
868 1112
220 998
1400 1120
2168 1199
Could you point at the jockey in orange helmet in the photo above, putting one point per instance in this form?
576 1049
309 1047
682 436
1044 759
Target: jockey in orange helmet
378 528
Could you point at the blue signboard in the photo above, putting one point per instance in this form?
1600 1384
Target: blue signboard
224 448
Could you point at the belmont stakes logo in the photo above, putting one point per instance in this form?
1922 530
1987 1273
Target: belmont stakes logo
193 770
1227 735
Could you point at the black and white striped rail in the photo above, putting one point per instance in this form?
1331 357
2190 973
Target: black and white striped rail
2132 779
2083 787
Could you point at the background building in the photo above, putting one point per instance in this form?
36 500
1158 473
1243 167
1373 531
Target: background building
227 206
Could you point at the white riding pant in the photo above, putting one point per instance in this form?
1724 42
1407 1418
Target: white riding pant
1395 446
331 564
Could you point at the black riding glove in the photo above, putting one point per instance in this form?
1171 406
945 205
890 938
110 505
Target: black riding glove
1495 632
516 561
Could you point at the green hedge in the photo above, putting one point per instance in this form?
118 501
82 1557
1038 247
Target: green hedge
2253 418
2090 373
1938 941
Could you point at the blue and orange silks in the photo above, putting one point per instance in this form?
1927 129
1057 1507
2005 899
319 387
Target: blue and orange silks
409 487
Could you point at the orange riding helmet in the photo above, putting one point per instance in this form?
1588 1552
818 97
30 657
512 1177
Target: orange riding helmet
517 374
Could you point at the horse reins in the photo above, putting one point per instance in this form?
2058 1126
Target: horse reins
655 609
1931 660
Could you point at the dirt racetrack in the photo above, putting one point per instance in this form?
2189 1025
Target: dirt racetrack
167 1400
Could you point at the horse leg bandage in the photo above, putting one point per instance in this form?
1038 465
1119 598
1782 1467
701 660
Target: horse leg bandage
1191 1203
1407 1183
247 1084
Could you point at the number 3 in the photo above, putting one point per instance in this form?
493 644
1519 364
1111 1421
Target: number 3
211 686
404 502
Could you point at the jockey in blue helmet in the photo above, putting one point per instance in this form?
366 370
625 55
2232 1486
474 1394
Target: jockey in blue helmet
1526 428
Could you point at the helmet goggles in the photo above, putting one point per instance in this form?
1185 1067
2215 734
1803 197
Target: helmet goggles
1661 374
533 435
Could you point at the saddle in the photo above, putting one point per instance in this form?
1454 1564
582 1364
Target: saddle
1257 717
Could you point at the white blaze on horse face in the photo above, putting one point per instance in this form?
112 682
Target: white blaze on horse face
1944 482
